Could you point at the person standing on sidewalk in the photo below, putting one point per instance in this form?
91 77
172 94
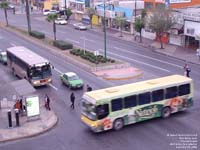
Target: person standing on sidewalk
47 102
72 98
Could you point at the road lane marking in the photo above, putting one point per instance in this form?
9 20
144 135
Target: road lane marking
147 57
86 39
12 44
140 62
51 85
73 41
57 70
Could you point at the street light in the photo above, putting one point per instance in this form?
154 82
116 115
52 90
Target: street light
104 18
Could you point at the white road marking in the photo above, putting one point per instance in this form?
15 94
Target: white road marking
57 70
148 57
12 44
138 61
73 41
51 85
86 39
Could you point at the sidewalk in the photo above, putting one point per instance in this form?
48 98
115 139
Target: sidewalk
27 128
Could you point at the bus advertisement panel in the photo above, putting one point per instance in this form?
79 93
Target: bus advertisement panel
29 65
115 107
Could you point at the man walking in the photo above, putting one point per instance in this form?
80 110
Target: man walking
187 70
72 98
89 88
47 102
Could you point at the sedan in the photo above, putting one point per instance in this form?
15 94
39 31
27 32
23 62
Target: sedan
60 21
48 12
3 57
71 80
80 26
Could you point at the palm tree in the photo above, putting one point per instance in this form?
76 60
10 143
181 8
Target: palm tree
90 13
52 18
4 5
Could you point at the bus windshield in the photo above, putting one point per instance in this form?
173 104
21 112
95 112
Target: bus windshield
89 110
40 72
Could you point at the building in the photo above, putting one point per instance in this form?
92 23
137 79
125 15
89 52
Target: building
181 3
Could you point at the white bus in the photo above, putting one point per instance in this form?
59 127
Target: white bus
115 107
29 65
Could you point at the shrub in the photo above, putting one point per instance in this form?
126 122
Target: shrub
62 44
37 34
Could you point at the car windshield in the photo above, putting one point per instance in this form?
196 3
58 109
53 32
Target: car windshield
74 77
88 110
40 72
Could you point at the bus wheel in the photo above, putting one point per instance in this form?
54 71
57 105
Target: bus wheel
118 124
166 112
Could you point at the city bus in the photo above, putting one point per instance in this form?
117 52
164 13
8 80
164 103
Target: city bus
115 107
29 65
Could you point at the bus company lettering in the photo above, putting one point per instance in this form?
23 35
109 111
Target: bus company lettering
147 112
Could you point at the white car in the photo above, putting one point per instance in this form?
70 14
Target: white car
47 12
80 26
60 21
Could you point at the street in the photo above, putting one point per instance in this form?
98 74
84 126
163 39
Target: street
70 133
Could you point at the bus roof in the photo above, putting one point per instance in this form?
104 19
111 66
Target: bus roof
27 55
138 87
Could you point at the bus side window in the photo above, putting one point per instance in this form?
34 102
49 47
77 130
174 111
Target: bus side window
184 89
144 98
116 104
102 111
171 92
157 95
130 101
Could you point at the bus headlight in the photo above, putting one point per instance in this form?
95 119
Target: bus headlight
49 80
36 82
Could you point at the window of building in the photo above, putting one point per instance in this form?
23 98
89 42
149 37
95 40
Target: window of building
148 5
171 92
144 98
157 95
130 101
184 89
116 104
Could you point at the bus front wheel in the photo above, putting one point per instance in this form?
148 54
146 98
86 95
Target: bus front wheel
118 124
166 112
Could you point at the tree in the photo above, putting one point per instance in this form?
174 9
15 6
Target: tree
140 23
90 13
4 5
160 21
120 21
68 13
52 18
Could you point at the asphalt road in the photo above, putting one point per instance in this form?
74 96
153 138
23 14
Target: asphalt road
70 133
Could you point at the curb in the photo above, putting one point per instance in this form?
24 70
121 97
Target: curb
34 134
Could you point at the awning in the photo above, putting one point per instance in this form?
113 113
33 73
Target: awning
177 26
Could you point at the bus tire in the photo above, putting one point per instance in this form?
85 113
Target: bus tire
118 124
166 112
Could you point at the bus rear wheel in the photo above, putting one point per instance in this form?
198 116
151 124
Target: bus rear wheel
166 112
118 124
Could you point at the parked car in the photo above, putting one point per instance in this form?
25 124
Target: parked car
3 57
47 12
71 80
10 6
80 26
60 21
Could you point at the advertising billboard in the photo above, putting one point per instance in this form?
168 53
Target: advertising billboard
32 106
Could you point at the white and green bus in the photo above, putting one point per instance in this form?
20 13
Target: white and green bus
115 107
28 65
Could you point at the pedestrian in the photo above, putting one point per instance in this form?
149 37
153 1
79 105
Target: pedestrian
89 88
21 105
47 102
72 98
187 70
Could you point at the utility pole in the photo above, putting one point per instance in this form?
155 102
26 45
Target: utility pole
65 9
104 19
28 16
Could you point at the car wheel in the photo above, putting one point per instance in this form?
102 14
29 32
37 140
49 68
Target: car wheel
166 112
118 124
